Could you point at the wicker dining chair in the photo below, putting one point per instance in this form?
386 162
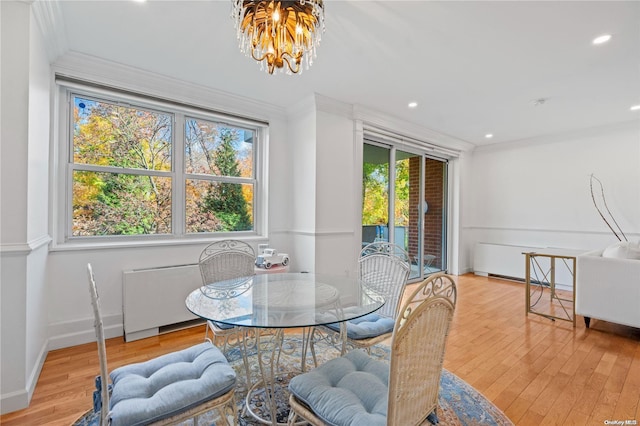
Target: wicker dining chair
357 389
222 261
165 390
384 269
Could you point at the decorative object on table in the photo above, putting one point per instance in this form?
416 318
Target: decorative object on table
618 233
359 389
384 269
278 34
270 257
219 262
165 390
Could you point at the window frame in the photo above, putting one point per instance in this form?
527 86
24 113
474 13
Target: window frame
63 166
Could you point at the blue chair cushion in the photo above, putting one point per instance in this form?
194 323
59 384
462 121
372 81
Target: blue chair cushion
159 388
366 327
348 391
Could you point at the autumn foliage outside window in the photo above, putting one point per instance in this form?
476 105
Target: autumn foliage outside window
125 173
215 156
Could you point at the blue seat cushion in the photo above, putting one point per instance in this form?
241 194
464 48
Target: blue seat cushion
366 327
167 385
348 391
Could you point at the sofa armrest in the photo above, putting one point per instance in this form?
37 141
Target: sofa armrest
608 288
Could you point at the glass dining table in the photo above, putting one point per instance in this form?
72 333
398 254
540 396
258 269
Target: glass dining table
265 305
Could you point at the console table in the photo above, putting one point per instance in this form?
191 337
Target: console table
540 280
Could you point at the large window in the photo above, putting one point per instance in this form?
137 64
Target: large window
138 168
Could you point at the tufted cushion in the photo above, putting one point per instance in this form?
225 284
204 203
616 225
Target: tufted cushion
351 390
365 327
153 390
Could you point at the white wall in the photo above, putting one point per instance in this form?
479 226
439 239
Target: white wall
279 194
337 175
37 203
301 134
15 110
38 146
24 187
536 192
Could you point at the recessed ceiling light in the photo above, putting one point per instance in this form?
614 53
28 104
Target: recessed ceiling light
488 135
539 101
412 104
602 39
635 108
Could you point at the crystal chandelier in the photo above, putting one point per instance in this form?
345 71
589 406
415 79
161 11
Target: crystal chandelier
279 34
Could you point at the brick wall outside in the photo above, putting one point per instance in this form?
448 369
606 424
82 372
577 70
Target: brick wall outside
434 195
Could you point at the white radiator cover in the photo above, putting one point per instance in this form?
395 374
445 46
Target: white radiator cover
153 298
508 261
500 259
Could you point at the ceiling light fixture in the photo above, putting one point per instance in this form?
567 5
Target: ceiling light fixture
602 39
488 135
635 108
279 34
412 104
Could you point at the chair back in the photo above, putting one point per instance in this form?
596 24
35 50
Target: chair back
226 259
385 247
102 351
417 350
384 268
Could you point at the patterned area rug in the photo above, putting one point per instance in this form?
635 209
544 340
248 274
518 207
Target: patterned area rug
459 403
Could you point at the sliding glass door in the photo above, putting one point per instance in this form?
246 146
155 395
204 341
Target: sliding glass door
412 196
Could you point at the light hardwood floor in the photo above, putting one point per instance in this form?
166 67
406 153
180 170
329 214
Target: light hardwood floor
535 370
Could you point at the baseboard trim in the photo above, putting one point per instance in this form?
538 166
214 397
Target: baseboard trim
79 332
17 400
14 401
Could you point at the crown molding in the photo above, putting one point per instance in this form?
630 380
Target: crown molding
304 107
104 72
406 128
316 102
48 15
603 130
326 104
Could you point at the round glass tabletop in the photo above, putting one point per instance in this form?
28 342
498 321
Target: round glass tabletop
283 300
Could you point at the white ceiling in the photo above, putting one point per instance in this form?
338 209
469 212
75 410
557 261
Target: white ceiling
474 67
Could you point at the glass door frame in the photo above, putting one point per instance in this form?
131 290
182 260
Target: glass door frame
391 220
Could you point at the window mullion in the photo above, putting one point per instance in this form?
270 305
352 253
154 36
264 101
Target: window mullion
178 173
117 170
225 179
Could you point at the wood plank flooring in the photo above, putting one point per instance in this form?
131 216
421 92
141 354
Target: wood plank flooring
539 372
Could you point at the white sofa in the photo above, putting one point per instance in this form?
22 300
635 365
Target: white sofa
608 289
